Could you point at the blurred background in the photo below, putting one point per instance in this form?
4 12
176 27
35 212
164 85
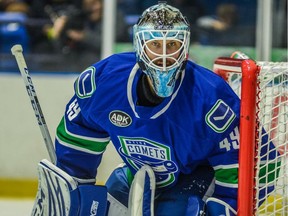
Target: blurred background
69 35
61 38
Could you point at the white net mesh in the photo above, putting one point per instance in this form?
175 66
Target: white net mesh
272 113
271 175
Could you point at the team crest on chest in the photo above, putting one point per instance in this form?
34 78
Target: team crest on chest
140 151
120 118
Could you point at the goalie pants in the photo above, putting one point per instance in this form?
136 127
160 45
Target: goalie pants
172 201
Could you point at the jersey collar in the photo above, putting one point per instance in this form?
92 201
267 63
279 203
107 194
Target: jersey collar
132 101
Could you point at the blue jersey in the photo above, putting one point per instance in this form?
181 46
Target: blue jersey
196 125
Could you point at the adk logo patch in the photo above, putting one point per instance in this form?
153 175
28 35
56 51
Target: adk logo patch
120 118
140 151
220 116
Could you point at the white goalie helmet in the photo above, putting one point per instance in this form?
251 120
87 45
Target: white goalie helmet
163 23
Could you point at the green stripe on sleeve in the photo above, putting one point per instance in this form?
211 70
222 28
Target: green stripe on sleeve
268 173
80 141
229 175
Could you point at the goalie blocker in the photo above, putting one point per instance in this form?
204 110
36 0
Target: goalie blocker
59 194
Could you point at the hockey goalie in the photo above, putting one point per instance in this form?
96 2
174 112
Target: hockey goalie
174 123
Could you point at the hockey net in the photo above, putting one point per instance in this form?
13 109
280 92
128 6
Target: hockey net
263 89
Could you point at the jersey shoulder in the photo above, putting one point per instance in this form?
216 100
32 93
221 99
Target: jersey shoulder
109 68
206 80
119 62
210 89
203 73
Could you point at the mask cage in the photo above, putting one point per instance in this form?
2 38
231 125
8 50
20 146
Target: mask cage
146 36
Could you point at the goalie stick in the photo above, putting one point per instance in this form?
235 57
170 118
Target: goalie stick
17 51
137 199
69 197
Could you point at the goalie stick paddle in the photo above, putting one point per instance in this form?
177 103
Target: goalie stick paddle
17 51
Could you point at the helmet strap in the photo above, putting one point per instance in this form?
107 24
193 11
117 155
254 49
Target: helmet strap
142 65
183 65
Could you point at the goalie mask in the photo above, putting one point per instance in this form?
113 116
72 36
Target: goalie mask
161 42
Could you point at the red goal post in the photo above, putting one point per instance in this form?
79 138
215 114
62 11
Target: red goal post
263 89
